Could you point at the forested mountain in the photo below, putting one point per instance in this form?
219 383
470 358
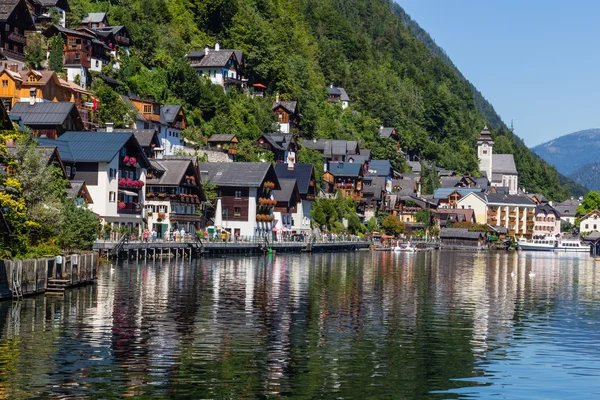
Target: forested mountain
570 152
588 176
297 48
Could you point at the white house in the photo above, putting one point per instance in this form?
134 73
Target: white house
590 222
547 221
339 95
244 196
304 175
222 66
500 169
568 210
113 166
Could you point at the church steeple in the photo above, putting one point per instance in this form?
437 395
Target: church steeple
485 136
485 145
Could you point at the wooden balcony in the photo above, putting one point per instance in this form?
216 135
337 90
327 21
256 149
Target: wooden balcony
492 222
123 41
17 37
512 232
530 214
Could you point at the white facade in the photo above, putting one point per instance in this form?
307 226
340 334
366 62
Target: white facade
509 181
345 104
484 153
284 127
250 227
96 64
590 222
170 138
74 71
546 225
301 218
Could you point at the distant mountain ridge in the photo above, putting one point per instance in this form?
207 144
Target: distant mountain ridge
569 153
588 176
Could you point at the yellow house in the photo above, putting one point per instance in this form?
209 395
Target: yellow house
21 86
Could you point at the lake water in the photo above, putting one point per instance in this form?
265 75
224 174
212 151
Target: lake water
354 325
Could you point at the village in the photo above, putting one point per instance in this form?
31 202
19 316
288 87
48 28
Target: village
148 177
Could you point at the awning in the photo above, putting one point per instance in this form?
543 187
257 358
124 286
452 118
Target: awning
128 192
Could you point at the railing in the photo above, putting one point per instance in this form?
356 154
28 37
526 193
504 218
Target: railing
17 37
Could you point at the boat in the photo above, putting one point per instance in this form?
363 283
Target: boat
407 247
572 246
545 244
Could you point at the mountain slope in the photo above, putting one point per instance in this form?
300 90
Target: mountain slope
297 48
588 176
570 152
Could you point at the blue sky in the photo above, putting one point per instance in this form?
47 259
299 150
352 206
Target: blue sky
537 62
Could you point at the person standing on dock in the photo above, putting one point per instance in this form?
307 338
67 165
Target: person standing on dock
182 233
146 233
168 234
153 235
58 262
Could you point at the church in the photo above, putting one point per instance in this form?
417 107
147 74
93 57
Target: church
499 169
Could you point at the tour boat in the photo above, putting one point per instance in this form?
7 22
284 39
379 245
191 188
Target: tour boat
405 247
545 244
572 246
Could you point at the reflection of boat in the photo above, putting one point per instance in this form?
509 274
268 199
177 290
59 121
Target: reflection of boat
546 244
572 246
405 247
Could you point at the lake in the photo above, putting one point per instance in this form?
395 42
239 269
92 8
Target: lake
435 324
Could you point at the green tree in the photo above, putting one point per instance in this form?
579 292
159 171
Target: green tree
35 50
590 202
393 226
55 59
78 226
111 108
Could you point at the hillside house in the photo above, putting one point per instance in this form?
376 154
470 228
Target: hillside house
78 45
15 20
590 222
244 196
48 119
345 177
287 200
225 142
222 66
335 150
449 197
547 221
374 192
95 20
286 113
113 167
339 95
282 145
500 169
443 218
174 195
568 210
45 11
304 175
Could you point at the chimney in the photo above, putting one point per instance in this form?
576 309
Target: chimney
217 46
32 96
110 126
206 49
277 97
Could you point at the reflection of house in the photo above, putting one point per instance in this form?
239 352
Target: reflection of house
590 222
304 175
113 167
338 95
283 146
286 113
345 177
222 66
244 190
173 195
515 213
547 221
567 210
500 169
47 119
287 198
15 20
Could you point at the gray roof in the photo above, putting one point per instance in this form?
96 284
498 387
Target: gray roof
547 209
214 58
42 113
331 148
288 105
386 132
345 169
503 164
279 141
380 168
94 17
375 189
443 193
338 92
302 173
415 166
74 189
89 146
459 233
287 190
449 181
501 198
238 174
221 137
66 31
7 7
173 171
143 136
168 113
567 208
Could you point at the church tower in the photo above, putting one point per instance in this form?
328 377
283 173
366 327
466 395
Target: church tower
485 144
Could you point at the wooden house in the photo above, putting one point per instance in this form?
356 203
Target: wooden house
78 45
223 67
286 113
47 119
15 20
225 142
345 177
462 238
283 145
95 20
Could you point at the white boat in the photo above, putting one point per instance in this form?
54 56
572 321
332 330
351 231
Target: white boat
572 246
545 244
405 247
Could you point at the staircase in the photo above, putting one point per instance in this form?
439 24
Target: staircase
57 286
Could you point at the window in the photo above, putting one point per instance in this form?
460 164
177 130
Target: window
237 211
484 152
595 226
112 197
72 42
587 226
97 63
77 56
68 170
73 171
280 116
238 194
4 83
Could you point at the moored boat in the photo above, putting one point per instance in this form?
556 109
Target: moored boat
545 244
407 247
572 246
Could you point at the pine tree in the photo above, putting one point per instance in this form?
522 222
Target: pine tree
55 61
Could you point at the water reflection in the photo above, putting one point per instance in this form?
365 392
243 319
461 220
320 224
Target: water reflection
365 324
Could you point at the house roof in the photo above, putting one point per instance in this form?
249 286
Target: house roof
214 58
302 173
76 189
43 113
386 132
331 148
345 169
590 214
449 181
94 17
460 233
375 189
567 208
7 7
287 190
504 164
338 92
168 113
501 198
290 106
279 141
173 171
546 209
466 214
238 174
443 193
89 146
380 167
143 136
221 137
72 32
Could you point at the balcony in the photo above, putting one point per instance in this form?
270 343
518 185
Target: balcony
130 184
17 37
123 41
530 214
512 232
492 222
130 208
344 186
